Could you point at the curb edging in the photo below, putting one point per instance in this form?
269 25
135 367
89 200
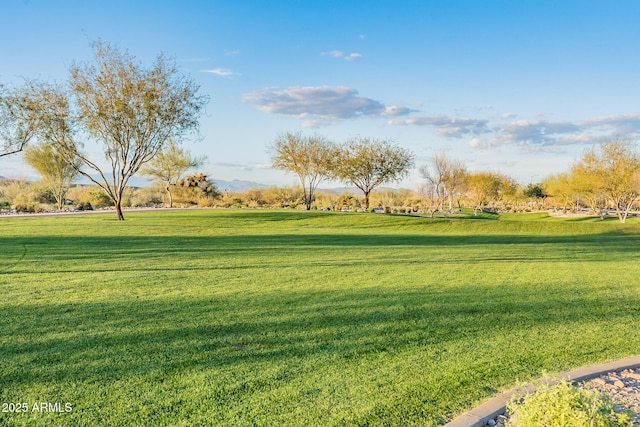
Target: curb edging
478 416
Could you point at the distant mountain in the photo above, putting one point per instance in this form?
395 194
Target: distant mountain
354 190
135 181
237 186
234 186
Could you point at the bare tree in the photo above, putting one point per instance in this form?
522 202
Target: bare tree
369 162
447 176
429 197
310 158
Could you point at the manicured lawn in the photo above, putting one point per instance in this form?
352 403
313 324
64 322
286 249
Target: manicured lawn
234 318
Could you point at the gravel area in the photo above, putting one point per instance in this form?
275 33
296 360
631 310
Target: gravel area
623 387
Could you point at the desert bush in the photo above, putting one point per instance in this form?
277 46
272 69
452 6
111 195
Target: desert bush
27 208
147 196
196 189
91 194
563 405
84 206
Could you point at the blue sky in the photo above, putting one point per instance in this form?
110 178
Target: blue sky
520 87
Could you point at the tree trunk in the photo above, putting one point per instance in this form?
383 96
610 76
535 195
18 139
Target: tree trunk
366 199
170 196
119 210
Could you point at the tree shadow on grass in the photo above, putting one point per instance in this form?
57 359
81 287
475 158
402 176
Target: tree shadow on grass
163 339
614 245
235 338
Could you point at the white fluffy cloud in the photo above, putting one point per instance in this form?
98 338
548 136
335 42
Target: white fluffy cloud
317 105
532 134
549 133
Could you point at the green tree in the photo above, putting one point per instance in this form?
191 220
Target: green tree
482 187
130 110
310 158
370 162
534 191
614 171
56 172
588 188
561 187
18 118
169 165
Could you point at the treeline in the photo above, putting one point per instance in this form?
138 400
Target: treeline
20 195
605 180
138 115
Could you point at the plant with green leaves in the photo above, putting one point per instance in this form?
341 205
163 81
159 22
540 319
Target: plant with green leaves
564 405
370 162
56 172
18 120
128 109
310 158
169 165
612 172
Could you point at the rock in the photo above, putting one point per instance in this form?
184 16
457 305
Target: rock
598 382
491 423
632 375
619 384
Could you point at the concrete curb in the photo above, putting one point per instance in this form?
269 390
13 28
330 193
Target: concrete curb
478 416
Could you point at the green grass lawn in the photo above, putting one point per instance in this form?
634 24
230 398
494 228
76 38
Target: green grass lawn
239 318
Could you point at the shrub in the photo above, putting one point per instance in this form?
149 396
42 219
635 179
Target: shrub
563 405
28 208
84 206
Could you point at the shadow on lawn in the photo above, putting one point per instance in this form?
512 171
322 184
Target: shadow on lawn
234 337
92 251
112 341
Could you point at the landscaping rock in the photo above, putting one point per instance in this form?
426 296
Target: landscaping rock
622 387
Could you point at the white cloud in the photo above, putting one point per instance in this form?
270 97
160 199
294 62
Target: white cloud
320 105
312 123
396 111
234 52
333 54
339 54
222 72
478 143
532 134
453 127
548 133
